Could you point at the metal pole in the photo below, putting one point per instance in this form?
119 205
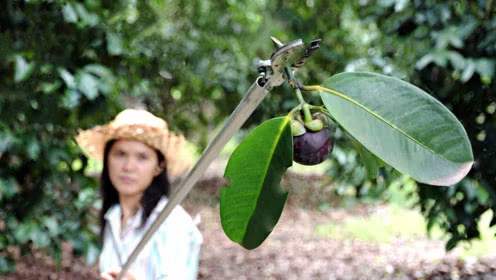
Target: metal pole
255 94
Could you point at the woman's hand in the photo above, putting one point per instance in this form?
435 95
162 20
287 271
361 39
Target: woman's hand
112 275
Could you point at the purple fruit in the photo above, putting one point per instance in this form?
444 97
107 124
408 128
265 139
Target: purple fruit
312 148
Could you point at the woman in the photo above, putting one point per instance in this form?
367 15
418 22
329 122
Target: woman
139 157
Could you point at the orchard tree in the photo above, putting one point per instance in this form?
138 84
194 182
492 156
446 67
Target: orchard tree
68 65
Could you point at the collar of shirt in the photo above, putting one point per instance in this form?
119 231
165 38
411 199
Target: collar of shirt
113 218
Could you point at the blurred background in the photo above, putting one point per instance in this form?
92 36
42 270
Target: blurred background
69 65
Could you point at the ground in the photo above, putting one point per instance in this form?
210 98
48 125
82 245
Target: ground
295 251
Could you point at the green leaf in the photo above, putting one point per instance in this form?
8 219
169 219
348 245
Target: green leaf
52 225
469 70
24 232
70 99
49 87
452 242
252 204
114 44
401 124
40 238
6 265
69 13
67 77
33 148
23 69
7 138
493 219
438 57
485 67
86 18
105 78
98 70
8 188
87 84
456 59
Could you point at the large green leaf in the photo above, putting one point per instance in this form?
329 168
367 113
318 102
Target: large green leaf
252 204
402 125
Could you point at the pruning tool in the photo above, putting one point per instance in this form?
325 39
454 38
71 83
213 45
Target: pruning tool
273 72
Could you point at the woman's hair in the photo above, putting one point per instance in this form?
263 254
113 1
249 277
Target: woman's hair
158 187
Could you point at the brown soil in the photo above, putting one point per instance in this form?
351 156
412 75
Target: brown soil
292 251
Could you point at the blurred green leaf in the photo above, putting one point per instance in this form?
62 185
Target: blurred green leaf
469 70
52 225
50 87
450 245
448 37
71 99
8 188
23 69
87 84
6 265
85 197
114 44
456 59
485 67
40 238
69 13
6 139
33 148
67 77
24 232
86 17
438 57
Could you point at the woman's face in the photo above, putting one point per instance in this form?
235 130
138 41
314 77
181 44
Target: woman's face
132 165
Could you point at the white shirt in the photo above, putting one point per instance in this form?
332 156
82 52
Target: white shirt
172 253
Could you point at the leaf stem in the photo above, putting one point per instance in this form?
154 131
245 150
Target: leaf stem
320 88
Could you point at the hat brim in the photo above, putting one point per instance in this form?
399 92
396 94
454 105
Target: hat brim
172 146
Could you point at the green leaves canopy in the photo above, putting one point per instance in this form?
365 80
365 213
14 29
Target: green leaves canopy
402 125
251 206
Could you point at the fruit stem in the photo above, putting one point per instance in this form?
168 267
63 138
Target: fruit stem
305 106
306 113
292 81
300 97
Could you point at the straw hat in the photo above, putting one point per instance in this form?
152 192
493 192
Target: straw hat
142 126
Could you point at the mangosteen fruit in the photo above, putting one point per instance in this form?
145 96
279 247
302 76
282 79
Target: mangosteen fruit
312 147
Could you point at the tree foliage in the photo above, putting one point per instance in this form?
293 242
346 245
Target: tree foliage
66 65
